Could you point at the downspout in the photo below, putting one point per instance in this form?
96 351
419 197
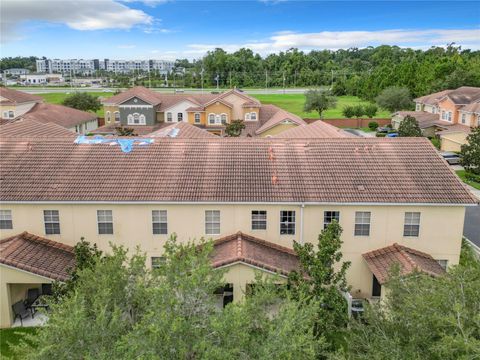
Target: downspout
302 206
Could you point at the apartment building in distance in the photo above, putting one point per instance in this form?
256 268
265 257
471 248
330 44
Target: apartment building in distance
449 114
147 111
396 200
85 67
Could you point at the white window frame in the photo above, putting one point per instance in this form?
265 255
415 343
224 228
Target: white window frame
253 116
115 116
5 114
107 116
287 220
464 118
247 116
329 216
159 222
169 117
259 220
51 220
418 107
11 114
443 115
449 116
411 224
363 221
136 119
197 118
223 115
6 222
211 117
212 222
104 217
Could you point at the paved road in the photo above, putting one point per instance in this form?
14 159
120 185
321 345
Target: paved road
471 228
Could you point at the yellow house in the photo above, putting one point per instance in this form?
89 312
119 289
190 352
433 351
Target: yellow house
254 197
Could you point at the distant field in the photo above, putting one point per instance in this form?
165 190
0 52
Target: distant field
294 104
57 98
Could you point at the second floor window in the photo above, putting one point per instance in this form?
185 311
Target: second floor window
287 222
259 220
6 219
159 222
169 117
329 216
223 118
211 118
449 116
197 118
212 222
52 222
464 118
180 117
411 226
253 116
136 119
362 223
105 222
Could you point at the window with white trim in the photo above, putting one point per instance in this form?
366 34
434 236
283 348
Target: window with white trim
464 118
443 264
179 117
105 222
329 216
11 114
218 119
253 116
159 222
157 261
51 219
212 222
6 219
136 119
169 117
197 118
443 115
259 220
117 115
418 107
411 226
449 114
247 116
211 119
434 110
223 118
362 223
107 116
287 222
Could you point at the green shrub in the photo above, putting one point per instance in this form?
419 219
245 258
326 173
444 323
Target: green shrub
472 177
373 125
380 134
436 142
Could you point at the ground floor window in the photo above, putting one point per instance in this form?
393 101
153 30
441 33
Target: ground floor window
259 220
197 118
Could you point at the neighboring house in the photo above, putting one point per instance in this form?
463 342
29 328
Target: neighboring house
140 106
253 196
450 114
32 128
15 103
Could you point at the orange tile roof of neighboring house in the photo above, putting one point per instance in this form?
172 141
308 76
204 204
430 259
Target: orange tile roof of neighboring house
181 130
13 97
432 99
278 118
424 118
22 128
464 95
147 95
381 261
317 129
455 128
37 255
472 108
244 248
346 170
61 115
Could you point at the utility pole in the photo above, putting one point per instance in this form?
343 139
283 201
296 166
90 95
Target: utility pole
217 79
266 80
284 83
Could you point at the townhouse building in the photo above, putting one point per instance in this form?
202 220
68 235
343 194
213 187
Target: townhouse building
396 200
146 111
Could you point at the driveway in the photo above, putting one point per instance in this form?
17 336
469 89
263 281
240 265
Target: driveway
471 228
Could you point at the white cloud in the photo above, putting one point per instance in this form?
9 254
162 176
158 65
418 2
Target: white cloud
78 15
333 40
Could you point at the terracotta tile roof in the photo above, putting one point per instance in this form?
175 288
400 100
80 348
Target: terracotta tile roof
464 95
432 99
37 255
346 170
181 130
22 128
472 108
61 115
424 118
380 262
236 92
455 128
13 97
147 95
317 129
244 248
278 118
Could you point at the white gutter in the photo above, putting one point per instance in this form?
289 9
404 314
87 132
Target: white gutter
252 266
153 202
301 223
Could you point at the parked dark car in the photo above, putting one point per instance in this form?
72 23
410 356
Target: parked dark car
451 157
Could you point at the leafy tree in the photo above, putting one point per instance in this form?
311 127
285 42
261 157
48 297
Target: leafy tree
471 152
358 111
421 318
373 125
319 101
125 131
348 111
409 127
371 110
321 279
83 101
394 99
234 128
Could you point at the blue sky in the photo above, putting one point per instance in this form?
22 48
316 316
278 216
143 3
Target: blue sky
128 29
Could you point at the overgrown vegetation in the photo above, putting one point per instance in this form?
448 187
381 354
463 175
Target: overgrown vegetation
409 127
83 101
471 155
319 101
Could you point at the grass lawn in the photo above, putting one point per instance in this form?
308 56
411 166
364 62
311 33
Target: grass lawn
57 98
294 104
12 336
461 175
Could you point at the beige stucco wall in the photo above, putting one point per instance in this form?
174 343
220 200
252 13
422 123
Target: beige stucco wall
237 109
218 108
278 129
13 287
191 118
112 110
181 107
453 141
18 109
448 105
440 229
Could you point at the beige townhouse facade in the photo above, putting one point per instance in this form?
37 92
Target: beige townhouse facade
254 197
